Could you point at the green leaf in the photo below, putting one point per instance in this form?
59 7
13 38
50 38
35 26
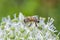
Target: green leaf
22 30
12 28
40 28
2 27
14 20
11 36
26 36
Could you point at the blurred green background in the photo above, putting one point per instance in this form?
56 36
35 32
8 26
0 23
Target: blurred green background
43 8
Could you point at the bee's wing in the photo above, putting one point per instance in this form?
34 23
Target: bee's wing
35 16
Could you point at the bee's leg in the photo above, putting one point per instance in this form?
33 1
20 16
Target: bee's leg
30 24
35 24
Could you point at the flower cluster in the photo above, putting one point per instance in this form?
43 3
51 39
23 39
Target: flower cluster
16 29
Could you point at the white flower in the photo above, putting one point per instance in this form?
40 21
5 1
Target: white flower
16 29
21 17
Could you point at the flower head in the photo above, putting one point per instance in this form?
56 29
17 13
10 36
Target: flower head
16 29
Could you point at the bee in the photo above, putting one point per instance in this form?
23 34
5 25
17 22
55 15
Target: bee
31 19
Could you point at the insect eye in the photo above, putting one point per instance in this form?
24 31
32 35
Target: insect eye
38 21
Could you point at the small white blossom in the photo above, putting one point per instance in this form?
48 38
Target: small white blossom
16 29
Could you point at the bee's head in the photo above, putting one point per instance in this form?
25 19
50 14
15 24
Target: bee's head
26 20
